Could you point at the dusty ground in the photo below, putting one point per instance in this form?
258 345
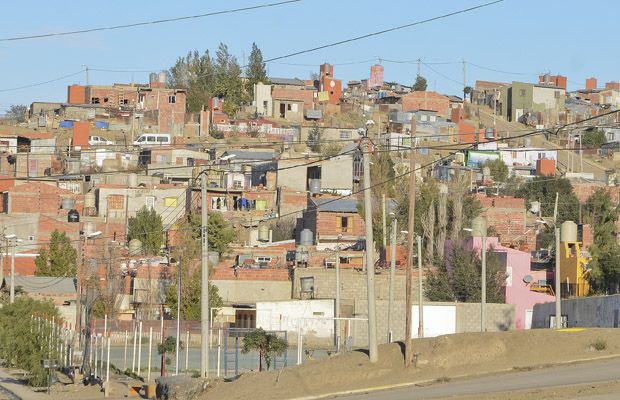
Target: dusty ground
440 358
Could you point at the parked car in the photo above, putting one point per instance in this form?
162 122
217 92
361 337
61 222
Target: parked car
99 141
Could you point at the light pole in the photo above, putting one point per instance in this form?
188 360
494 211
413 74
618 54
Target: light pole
13 240
370 259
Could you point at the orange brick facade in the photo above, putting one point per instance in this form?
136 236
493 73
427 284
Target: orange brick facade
426 101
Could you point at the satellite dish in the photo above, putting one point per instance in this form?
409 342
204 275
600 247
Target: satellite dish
528 278
332 83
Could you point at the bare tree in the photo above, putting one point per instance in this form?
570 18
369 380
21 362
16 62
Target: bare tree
442 216
458 193
428 226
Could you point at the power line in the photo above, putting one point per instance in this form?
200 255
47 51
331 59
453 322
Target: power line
42 83
378 33
154 22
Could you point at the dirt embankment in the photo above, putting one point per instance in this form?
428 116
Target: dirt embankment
439 359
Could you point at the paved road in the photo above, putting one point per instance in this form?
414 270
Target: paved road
567 375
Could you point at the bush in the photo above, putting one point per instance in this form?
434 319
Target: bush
599 344
216 134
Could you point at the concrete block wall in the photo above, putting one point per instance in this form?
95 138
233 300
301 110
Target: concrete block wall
500 317
591 312
352 284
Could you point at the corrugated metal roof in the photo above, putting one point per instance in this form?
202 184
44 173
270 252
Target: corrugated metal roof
336 205
251 155
43 284
287 81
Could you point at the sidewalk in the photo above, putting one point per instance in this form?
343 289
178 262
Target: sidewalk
20 390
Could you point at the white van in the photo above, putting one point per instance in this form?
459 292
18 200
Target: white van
152 139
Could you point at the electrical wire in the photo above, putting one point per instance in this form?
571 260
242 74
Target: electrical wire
42 83
153 22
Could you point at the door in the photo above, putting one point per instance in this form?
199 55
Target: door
528 319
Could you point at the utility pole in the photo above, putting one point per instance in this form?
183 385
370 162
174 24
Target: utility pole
410 239
383 220
176 366
370 258
483 284
420 291
204 294
555 208
338 294
464 78
392 278
558 294
12 295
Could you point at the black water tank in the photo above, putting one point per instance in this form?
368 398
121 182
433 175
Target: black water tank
73 216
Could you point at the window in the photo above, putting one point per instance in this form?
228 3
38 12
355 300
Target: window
116 202
344 224
289 107
522 92
172 99
150 139
149 201
433 118
557 94
263 259
423 117
237 184
141 139
170 202
94 100
345 135
162 139
124 101
105 99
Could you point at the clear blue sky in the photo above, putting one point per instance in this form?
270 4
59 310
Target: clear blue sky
571 37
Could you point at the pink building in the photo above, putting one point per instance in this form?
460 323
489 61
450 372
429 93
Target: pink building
524 287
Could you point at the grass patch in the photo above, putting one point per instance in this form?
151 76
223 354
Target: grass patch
442 379
599 344
523 369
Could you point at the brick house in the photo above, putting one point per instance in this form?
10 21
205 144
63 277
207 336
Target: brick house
333 220
508 216
426 101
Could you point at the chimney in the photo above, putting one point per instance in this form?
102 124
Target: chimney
591 83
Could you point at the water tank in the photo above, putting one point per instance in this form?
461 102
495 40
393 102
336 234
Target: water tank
315 186
489 133
153 77
132 179
306 237
73 216
263 233
89 200
479 227
162 77
67 204
301 254
568 232
535 207
135 247
88 228
214 258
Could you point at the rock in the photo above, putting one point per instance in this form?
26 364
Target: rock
180 387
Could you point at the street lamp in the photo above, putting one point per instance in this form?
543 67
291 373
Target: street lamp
12 238
558 297
394 228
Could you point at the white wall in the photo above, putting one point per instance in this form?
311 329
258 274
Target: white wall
315 316
438 320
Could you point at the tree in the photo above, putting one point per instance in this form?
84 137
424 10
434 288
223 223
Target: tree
314 139
420 84
543 190
147 227
191 287
268 345
228 84
59 258
169 346
17 112
23 340
602 214
256 71
465 281
195 73
593 137
284 228
498 169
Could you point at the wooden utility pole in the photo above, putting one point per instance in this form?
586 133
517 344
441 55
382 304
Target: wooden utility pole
410 242
383 221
